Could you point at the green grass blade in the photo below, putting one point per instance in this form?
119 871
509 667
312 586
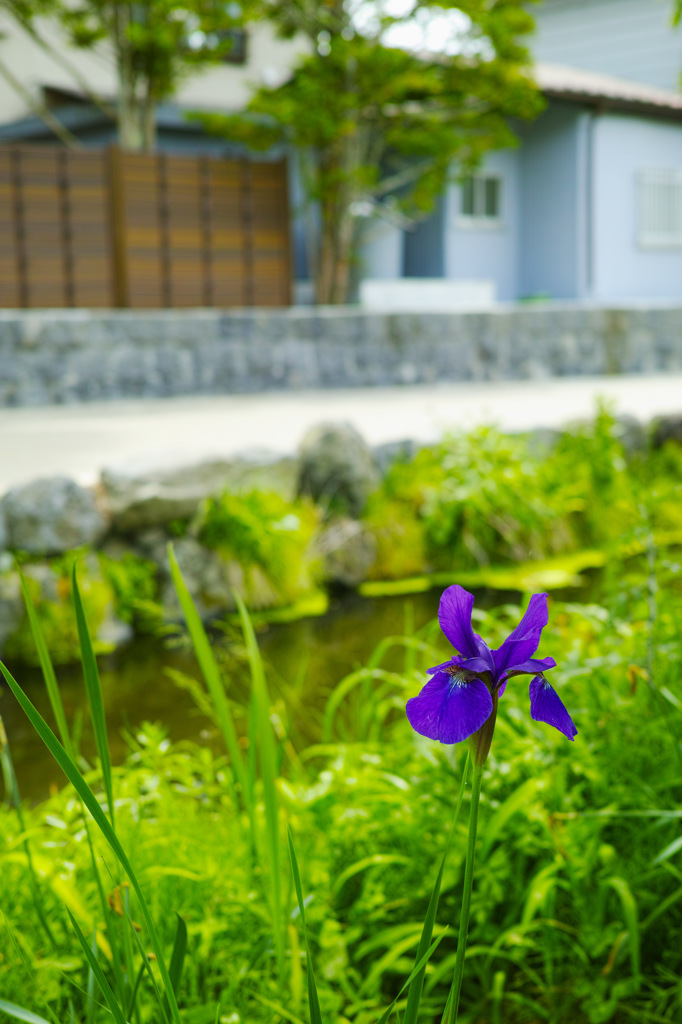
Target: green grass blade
136 987
212 676
72 773
100 977
419 966
268 766
12 1010
90 992
178 955
94 693
416 988
313 999
14 797
47 669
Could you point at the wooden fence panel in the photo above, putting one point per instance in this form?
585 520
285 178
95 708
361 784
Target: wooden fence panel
105 228
90 230
230 271
10 289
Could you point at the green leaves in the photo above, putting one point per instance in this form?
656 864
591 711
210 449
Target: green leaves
380 121
313 998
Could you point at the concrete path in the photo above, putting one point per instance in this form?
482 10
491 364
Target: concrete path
80 440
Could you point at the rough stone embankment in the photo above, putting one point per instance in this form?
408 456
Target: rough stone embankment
57 356
133 512
302 530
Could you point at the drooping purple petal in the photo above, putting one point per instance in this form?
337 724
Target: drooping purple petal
531 668
522 642
454 616
449 709
545 706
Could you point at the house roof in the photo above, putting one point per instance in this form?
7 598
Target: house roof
578 85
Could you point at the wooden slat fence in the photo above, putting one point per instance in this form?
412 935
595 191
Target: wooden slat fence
103 228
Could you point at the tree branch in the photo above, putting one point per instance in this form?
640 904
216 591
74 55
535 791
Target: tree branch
40 110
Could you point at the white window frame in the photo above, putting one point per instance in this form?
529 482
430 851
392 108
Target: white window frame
478 221
648 181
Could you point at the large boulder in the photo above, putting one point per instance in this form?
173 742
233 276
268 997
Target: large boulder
666 428
50 516
146 496
337 468
386 455
208 576
348 550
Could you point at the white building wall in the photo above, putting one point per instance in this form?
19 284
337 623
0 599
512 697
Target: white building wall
220 87
622 267
630 39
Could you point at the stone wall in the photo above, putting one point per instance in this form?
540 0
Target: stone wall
80 355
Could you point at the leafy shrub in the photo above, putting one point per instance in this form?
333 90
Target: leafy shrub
262 529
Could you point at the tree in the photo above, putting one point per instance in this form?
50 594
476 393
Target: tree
380 122
154 45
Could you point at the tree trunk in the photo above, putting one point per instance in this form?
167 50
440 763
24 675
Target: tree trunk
130 133
332 280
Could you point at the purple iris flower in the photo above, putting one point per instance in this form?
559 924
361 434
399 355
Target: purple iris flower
461 695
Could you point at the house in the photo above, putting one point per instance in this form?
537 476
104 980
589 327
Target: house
588 207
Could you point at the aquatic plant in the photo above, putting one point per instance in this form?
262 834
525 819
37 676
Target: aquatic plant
460 702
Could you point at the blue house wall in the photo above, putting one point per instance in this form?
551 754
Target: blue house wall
630 39
569 225
622 147
553 204
473 250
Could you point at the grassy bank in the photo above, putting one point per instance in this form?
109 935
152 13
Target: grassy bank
576 910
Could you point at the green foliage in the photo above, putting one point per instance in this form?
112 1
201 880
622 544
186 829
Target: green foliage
575 913
134 582
49 587
154 45
261 529
375 122
483 498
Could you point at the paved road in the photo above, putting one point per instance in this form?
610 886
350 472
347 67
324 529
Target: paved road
81 440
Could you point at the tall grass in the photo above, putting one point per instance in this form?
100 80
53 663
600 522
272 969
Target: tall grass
575 915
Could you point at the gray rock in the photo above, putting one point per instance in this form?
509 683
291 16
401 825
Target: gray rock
11 605
632 434
153 496
337 467
348 551
385 455
208 576
542 440
666 428
50 516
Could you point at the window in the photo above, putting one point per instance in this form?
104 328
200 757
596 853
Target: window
480 203
660 208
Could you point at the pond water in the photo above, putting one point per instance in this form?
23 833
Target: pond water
305 659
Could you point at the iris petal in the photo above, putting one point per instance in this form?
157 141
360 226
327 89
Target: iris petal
523 642
449 709
545 706
454 616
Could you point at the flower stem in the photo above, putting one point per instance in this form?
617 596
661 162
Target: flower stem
450 1015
